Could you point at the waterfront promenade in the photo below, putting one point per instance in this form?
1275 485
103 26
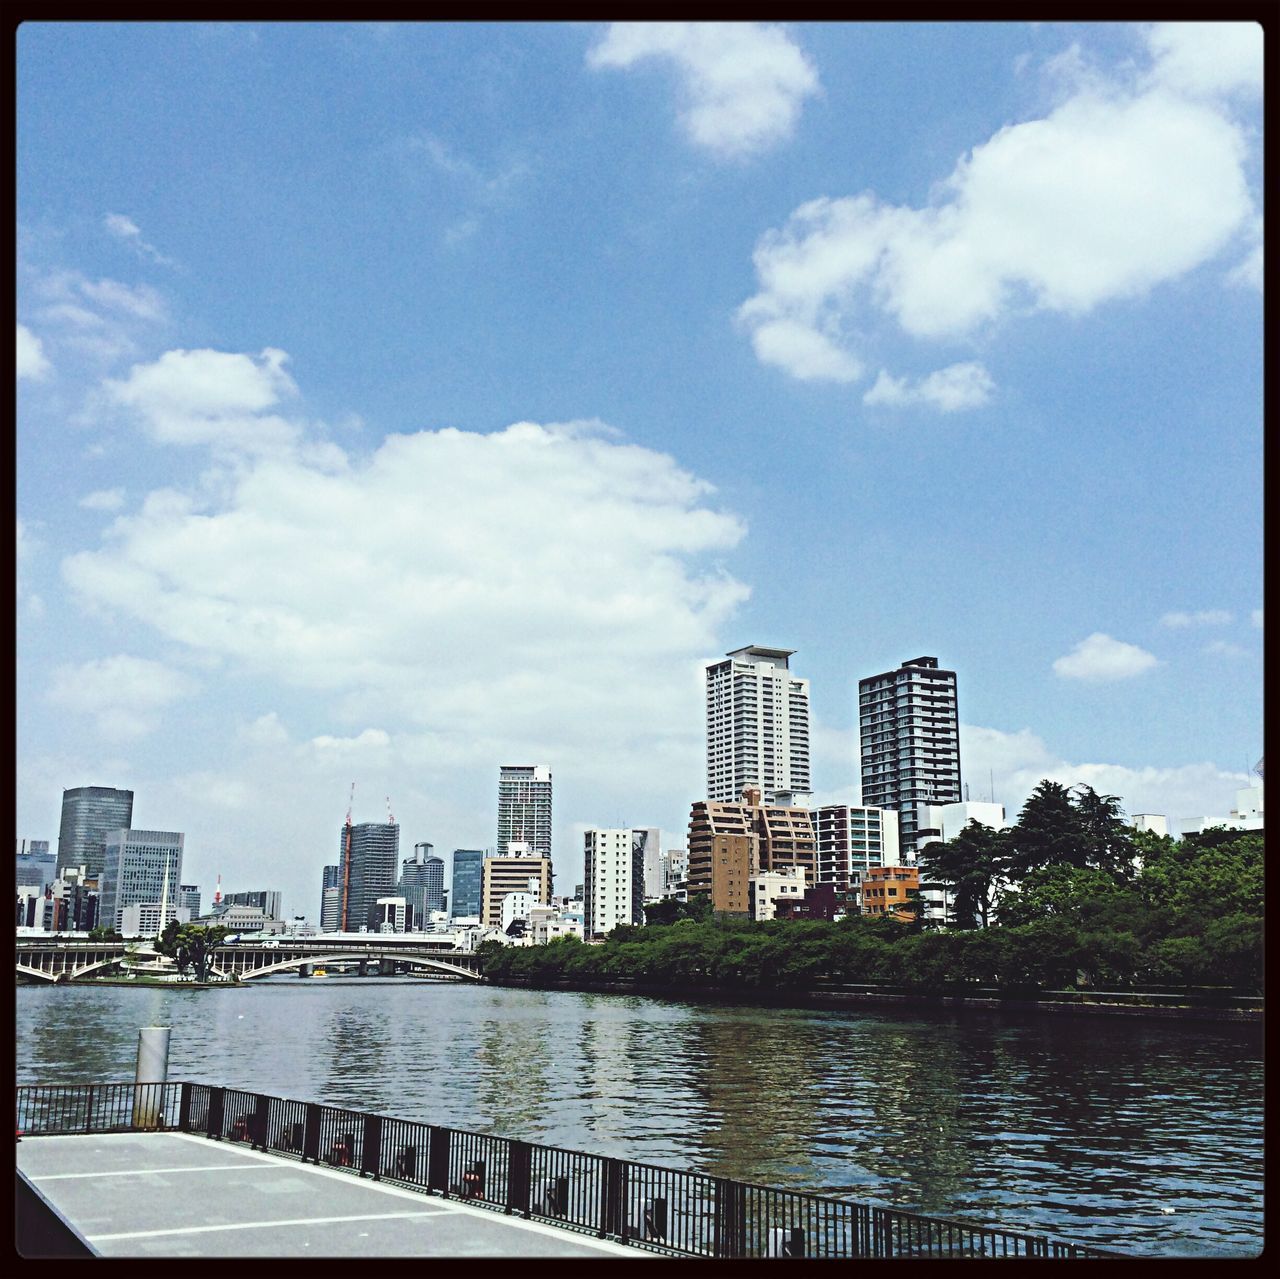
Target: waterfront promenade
164 1194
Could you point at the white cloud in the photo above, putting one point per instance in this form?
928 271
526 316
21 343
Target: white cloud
959 386
123 694
1207 58
743 83
31 363
1206 617
126 230
103 500
1113 192
101 318
211 397
1224 648
1014 763
1101 658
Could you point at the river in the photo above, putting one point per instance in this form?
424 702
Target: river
1142 1136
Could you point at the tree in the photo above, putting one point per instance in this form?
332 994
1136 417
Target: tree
191 945
970 865
1048 832
103 933
672 911
1107 838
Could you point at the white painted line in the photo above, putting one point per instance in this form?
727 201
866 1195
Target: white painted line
257 1225
139 1172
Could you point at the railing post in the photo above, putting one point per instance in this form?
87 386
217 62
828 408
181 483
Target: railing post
261 1122
438 1160
311 1134
184 1107
88 1111
371 1147
731 1219
612 1194
519 1168
213 1126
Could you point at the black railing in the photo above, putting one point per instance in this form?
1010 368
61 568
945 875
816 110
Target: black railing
661 1209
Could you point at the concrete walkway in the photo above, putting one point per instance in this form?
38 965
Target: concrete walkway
176 1195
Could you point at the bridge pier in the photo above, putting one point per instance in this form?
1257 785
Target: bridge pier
362 969
304 970
387 966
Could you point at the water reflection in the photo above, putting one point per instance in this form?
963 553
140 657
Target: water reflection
1140 1136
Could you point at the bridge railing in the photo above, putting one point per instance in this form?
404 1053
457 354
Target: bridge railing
664 1210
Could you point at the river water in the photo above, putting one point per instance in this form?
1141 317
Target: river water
1142 1136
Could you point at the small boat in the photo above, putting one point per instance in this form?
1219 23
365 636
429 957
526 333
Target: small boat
319 972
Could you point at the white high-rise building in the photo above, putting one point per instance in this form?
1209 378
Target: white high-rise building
757 727
524 807
648 842
139 866
851 840
942 823
613 885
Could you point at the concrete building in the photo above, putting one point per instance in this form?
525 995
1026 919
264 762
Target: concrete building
770 888
502 875
851 840
145 919
422 883
887 890
390 915
189 899
374 865
516 907
648 840
465 885
757 727
266 900
910 735
35 865
139 866
729 843
242 919
1246 815
613 878
332 878
942 823
524 807
1156 823
331 910
89 815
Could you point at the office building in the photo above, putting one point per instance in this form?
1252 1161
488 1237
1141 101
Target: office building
390 915
189 899
332 878
613 879
464 893
524 808
331 909
502 875
851 840
266 900
147 919
36 866
139 867
89 815
369 872
422 884
757 727
910 734
729 843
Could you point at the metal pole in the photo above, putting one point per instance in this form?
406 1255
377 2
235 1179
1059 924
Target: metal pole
150 1076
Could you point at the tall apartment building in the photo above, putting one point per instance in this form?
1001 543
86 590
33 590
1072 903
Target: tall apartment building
374 863
910 732
266 900
139 867
502 875
851 841
332 879
613 879
422 884
524 807
89 815
465 885
729 843
757 727
331 910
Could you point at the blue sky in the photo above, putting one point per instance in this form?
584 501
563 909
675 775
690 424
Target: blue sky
396 401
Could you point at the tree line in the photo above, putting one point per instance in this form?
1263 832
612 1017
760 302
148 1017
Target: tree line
1069 895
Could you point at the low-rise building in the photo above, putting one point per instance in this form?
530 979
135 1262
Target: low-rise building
502 875
774 889
145 919
389 915
888 890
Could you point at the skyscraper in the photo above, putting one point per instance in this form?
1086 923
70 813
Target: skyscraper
524 807
89 815
910 730
332 879
757 727
422 883
464 895
139 867
613 874
374 863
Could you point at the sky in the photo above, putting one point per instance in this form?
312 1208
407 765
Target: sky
399 401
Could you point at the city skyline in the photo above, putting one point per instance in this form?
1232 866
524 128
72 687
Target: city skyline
467 418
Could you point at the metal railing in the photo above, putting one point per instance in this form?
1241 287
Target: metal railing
663 1210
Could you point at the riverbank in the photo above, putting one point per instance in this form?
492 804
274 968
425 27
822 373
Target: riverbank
1054 1003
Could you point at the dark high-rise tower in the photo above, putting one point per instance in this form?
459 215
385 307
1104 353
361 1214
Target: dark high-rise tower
464 898
89 815
910 731
375 854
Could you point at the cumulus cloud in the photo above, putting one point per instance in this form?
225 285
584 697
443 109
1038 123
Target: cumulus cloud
101 318
1207 59
1206 617
1224 648
742 83
1099 658
126 230
959 386
124 695
1121 187
31 363
103 500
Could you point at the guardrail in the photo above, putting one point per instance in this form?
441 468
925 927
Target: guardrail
663 1210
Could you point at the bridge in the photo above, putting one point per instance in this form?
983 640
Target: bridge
64 959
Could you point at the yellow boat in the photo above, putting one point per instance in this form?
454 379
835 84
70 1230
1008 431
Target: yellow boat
319 972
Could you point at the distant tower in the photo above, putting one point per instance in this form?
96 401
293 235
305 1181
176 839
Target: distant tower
524 808
89 815
370 853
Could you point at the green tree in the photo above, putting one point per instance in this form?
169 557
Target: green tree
1108 840
971 866
191 945
671 911
1047 833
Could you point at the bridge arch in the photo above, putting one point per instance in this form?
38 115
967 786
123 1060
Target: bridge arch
295 960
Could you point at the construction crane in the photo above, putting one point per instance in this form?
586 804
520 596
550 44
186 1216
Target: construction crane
346 860
391 818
